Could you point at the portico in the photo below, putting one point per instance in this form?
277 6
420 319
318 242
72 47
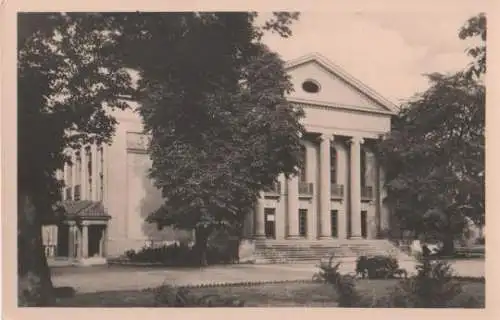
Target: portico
82 236
338 193
317 206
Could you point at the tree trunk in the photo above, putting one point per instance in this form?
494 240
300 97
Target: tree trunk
34 284
201 244
448 245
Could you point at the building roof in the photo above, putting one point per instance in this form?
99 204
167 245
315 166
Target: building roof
84 209
342 74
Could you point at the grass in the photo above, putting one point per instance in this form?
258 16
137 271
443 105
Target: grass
265 295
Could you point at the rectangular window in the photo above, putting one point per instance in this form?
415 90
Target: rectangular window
78 176
334 222
88 156
333 165
302 169
68 181
101 174
270 222
364 229
303 222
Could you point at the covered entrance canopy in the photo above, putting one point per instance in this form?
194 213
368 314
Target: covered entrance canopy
81 234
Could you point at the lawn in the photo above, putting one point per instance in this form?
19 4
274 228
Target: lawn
264 295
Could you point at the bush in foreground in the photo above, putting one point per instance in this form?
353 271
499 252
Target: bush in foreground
378 267
168 296
180 255
434 286
344 285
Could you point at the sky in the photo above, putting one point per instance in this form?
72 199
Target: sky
388 51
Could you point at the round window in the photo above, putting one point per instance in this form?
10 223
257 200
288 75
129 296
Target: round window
310 86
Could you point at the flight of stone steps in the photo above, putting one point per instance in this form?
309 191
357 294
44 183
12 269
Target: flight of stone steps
312 251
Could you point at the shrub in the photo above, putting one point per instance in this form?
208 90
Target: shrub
344 285
168 296
480 241
180 255
432 287
174 255
378 267
130 254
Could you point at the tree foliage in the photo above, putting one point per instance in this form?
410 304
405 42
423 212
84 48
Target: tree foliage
212 100
434 156
71 73
67 79
475 27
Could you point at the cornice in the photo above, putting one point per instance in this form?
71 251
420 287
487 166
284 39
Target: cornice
336 106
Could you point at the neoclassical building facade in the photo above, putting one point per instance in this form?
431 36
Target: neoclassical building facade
339 191
336 196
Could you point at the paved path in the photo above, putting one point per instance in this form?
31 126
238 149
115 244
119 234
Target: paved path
93 279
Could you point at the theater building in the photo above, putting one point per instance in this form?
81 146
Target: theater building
336 198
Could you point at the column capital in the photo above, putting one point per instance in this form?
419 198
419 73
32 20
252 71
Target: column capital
327 136
356 140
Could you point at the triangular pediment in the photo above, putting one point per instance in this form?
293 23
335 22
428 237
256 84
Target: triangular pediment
336 86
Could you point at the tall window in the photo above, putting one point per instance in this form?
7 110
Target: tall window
303 222
69 174
88 156
363 167
364 224
302 169
101 173
78 176
333 165
334 222
68 181
270 224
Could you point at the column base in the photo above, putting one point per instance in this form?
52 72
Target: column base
325 238
259 237
295 238
356 238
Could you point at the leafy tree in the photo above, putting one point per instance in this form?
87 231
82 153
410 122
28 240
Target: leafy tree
212 100
70 74
66 78
473 28
434 156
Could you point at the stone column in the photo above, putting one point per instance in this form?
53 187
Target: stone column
384 218
71 240
61 175
84 176
73 175
312 177
371 176
102 169
84 243
95 172
102 244
343 179
77 233
325 187
260 232
355 187
293 207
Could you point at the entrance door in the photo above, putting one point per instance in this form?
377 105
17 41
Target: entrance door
334 223
95 239
364 224
270 220
63 240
